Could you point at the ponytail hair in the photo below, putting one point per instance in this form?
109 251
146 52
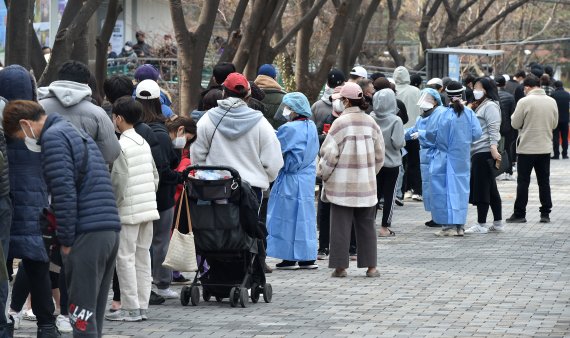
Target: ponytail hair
457 105
360 103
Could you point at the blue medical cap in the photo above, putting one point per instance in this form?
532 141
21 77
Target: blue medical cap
433 93
298 103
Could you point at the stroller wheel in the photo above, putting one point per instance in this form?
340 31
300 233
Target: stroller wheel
267 293
194 295
219 299
234 295
243 297
254 293
206 295
185 295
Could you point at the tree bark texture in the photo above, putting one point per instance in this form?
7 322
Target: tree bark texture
113 10
192 47
20 13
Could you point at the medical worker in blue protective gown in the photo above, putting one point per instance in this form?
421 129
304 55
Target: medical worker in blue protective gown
430 105
291 220
452 132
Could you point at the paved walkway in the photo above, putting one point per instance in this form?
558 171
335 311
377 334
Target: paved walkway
514 284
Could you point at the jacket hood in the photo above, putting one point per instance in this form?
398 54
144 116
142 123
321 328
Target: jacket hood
68 93
266 82
384 103
326 95
401 75
233 117
16 83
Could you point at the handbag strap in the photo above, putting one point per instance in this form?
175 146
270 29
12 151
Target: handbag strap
180 206
188 215
183 200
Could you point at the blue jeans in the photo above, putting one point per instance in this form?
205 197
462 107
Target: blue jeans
5 223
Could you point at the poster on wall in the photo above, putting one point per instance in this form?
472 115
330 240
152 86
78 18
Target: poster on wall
41 21
3 20
118 37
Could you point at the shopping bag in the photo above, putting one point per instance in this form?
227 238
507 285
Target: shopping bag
181 255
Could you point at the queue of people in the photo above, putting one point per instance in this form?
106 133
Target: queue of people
110 180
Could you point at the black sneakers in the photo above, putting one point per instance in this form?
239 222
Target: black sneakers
544 218
515 219
155 299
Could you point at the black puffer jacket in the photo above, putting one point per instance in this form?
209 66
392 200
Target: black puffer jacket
4 177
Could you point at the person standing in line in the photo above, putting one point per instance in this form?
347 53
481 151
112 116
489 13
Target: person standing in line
166 160
135 181
84 207
535 116
562 98
410 95
507 104
322 109
430 104
351 157
483 192
70 96
266 80
291 220
452 133
384 113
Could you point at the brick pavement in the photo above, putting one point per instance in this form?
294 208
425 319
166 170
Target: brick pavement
514 284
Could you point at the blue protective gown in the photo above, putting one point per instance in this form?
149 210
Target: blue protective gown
291 216
450 165
427 149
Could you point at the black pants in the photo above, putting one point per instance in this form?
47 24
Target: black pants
560 132
324 223
413 176
483 191
541 165
33 278
89 270
116 287
511 149
386 186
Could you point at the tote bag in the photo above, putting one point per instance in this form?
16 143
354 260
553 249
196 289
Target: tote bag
181 255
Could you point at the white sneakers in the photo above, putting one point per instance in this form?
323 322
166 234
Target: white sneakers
63 325
167 293
16 318
478 228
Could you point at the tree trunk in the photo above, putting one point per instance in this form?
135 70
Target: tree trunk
17 31
343 61
363 24
394 7
66 36
37 60
192 47
102 42
311 83
80 51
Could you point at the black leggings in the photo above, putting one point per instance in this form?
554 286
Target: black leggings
386 186
483 188
33 278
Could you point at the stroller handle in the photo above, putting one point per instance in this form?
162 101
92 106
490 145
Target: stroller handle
232 171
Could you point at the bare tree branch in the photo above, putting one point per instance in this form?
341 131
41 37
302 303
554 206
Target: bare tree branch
113 10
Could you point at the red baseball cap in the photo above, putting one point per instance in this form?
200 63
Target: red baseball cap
236 83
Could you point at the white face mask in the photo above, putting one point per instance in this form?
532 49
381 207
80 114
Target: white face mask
287 113
478 94
338 106
31 142
425 106
179 142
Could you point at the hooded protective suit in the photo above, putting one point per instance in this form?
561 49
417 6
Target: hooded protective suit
425 122
291 209
407 94
452 137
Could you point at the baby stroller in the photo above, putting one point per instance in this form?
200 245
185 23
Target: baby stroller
227 234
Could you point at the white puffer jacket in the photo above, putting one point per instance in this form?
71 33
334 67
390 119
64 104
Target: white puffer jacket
135 180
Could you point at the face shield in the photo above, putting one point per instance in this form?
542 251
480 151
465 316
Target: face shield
426 101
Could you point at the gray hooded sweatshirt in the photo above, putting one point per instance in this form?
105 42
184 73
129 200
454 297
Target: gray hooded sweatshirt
322 109
408 94
244 140
72 100
385 114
